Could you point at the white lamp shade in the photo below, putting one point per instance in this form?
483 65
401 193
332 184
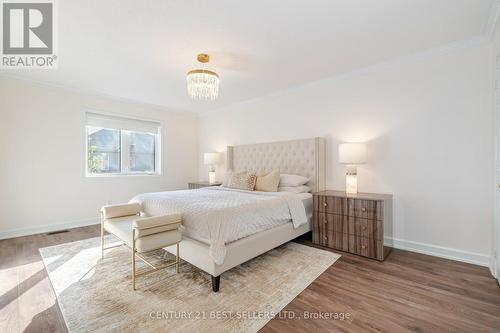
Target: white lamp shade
211 158
352 153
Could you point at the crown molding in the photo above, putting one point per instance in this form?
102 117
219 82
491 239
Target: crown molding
491 24
93 93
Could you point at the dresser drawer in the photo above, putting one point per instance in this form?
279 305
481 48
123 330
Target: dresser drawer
334 222
336 240
327 226
363 227
367 209
363 246
332 205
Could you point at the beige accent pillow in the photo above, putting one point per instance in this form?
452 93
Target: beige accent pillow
268 182
243 181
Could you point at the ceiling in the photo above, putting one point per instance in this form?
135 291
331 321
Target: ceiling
142 50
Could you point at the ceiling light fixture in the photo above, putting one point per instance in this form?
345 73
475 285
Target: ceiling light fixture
203 83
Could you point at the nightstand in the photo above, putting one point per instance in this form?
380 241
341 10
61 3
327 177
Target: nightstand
353 223
195 185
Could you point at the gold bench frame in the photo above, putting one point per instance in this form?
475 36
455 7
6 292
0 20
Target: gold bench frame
135 253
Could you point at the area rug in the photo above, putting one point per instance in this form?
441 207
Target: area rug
95 295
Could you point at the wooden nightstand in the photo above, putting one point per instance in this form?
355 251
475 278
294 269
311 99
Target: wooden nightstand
195 185
353 223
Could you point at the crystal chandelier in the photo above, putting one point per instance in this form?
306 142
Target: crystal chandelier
201 82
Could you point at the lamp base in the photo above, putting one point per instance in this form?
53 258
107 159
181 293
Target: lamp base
351 180
211 177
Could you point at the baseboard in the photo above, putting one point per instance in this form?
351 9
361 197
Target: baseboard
46 228
497 275
440 251
493 267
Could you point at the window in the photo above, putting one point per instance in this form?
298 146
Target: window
142 152
121 146
103 149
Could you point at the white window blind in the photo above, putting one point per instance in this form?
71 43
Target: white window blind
122 123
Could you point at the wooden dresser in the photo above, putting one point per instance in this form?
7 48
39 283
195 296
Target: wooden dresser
195 185
353 223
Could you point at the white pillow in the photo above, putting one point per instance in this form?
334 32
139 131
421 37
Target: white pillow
295 189
292 180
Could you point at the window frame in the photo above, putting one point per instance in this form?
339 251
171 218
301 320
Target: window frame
124 149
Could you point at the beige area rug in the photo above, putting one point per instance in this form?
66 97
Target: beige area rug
95 295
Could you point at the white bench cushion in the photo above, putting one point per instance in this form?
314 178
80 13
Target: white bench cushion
172 221
112 211
147 239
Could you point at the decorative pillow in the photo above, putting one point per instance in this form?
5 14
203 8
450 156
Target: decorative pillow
294 189
243 181
268 182
292 180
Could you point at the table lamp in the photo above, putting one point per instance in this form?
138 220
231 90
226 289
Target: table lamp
211 159
352 154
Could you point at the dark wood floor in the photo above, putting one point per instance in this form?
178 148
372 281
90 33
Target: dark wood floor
407 292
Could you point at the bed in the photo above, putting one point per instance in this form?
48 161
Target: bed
224 227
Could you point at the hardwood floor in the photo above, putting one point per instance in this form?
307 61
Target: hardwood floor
408 292
27 301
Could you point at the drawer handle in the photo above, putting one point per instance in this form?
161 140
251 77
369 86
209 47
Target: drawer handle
325 221
325 204
325 238
363 246
364 228
363 209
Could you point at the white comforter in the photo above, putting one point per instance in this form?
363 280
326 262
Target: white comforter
218 215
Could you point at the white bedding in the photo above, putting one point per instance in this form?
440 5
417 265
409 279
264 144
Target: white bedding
219 215
307 201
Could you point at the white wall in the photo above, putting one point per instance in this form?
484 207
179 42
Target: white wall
427 120
42 179
495 70
428 123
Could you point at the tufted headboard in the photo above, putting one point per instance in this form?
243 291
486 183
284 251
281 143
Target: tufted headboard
299 157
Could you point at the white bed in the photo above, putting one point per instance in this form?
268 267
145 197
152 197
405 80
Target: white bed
218 216
223 227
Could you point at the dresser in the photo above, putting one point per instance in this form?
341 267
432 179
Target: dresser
195 185
353 223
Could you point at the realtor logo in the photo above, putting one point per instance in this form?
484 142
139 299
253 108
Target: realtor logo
28 35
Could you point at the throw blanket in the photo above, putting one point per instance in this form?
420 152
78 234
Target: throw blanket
219 215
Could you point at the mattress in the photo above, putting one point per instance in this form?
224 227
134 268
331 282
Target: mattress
217 215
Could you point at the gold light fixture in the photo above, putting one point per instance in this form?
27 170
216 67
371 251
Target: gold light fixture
203 83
